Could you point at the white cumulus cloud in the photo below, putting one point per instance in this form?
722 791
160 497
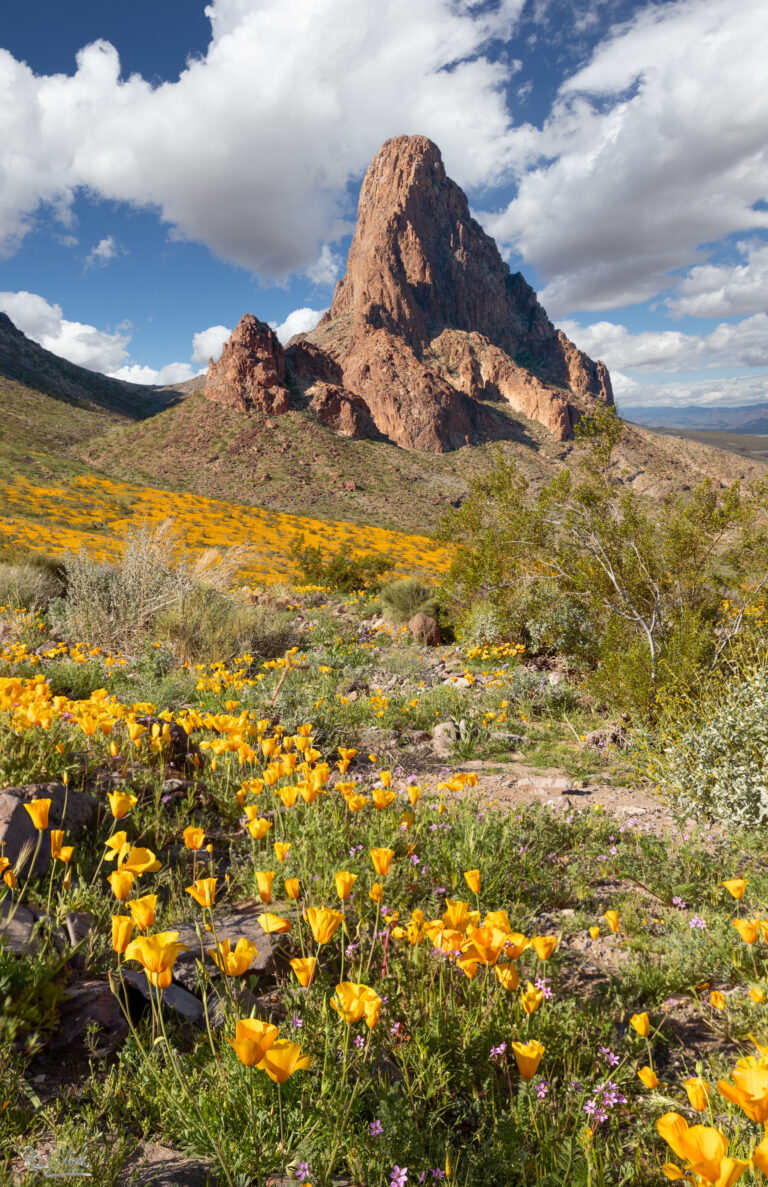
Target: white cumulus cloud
251 150
711 290
207 344
730 345
655 147
300 321
104 251
170 373
99 350
103 350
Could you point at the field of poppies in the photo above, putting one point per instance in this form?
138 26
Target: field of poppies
314 950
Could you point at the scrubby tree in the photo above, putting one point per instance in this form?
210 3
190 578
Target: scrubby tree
644 583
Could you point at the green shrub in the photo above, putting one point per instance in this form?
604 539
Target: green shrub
341 570
29 584
210 626
714 757
116 606
29 998
402 599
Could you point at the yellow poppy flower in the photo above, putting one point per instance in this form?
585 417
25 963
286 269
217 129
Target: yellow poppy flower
472 879
121 882
38 810
120 803
143 911
324 922
544 945
612 918
698 1093
194 838
376 893
60 852
506 975
264 880
528 1057
282 849
641 1023
253 1039
233 963
157 954
532 998
259 828
748 929
292 887
122 930
382 860
304 968
735 887
353 1002
282 1059
273 924
648 1077
139 861
203 891
344 883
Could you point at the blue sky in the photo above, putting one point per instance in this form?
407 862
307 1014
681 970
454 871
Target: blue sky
167 166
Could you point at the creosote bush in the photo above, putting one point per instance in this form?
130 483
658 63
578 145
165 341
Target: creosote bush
340 571
584 565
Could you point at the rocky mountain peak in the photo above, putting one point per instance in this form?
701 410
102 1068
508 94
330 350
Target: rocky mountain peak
430 328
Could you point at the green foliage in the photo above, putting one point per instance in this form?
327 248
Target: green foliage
32 582
29 998
714 757
584 566
402 599
116 606
339 571
209 626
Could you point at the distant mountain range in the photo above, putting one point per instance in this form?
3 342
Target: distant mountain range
750 418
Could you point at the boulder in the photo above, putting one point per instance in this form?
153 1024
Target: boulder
445 735
342 411
232 926
17 829
425 629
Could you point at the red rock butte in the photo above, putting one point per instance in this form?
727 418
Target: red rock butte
429 332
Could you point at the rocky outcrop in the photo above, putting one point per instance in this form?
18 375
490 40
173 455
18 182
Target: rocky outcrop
341 410
250 375
428 323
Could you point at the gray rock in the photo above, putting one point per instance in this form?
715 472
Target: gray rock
228 927
161 1166
445 735
174 997
79 924
245 1002
18 831
19 935
86 1003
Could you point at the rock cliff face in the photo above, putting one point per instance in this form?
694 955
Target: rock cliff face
428 327
251 371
